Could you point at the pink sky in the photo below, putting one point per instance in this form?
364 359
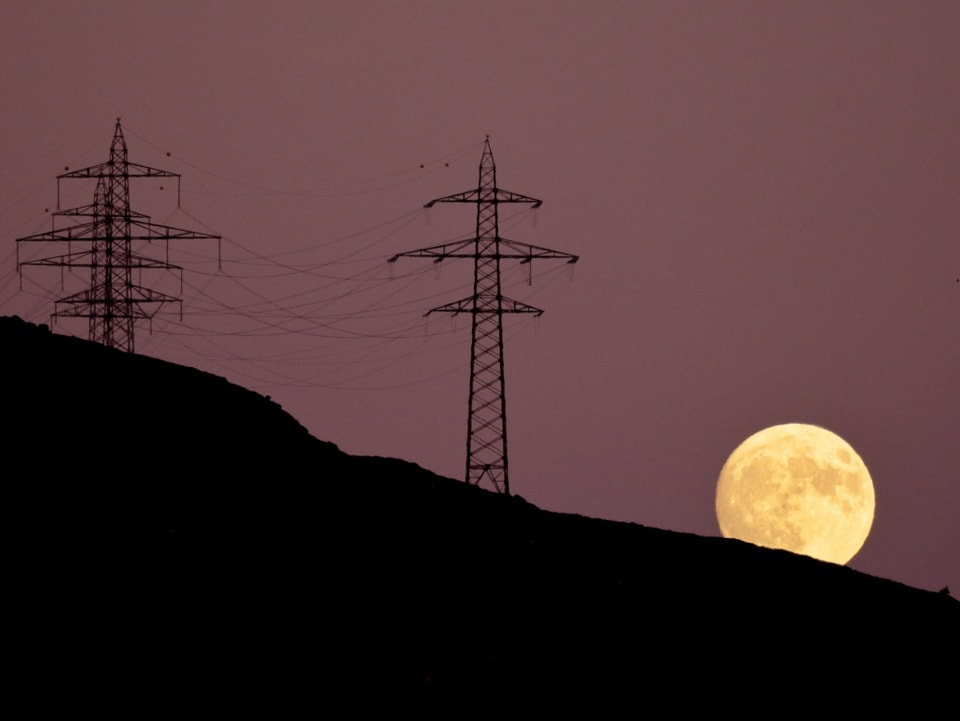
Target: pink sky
764 197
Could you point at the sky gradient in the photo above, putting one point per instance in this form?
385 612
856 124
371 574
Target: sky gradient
764 199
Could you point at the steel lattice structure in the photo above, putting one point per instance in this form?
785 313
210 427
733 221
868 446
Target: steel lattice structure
487 418
113 302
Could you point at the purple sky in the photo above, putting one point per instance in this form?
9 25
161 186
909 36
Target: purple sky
764 197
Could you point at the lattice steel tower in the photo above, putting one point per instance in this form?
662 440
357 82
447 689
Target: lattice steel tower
487 419
113 302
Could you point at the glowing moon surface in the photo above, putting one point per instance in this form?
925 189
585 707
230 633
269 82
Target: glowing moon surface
797 487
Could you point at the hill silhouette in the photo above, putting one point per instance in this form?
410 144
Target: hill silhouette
174 534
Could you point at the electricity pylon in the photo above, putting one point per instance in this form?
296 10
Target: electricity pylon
487 419
113 302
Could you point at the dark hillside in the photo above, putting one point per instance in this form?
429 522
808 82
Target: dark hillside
173 533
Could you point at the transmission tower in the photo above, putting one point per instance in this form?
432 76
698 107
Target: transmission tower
487 418
113 302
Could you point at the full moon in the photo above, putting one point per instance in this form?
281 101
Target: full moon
800 488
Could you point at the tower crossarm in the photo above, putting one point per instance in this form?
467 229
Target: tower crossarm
457 249
112 168
91 211
505 250
81 231
88 259
470 304
486 195
154 231
109 169
81 259
524 252
148 231
142 303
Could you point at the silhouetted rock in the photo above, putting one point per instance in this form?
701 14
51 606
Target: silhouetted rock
173 534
